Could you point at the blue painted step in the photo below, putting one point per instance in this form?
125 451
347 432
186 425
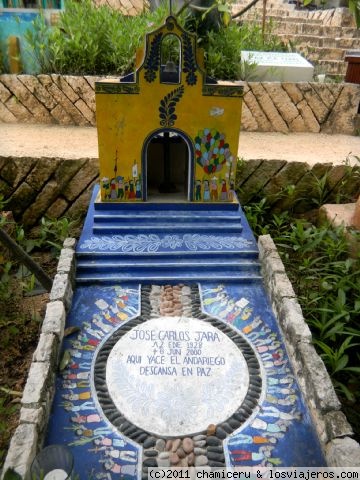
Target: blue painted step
174 227
174 277
164 265
165 206
220 255
166 242
157 216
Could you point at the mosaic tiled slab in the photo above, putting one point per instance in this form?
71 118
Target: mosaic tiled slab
141 390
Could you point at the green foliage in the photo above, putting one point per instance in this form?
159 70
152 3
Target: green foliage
39 40
2 65
223 49
6 409
90 39
99 40
327 283
11 474
53 232
354 7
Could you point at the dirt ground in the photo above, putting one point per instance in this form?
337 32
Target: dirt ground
20 324
81 142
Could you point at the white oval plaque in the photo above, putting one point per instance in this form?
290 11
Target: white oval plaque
174 376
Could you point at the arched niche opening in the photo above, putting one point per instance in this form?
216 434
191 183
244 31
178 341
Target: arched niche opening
168 166
170 59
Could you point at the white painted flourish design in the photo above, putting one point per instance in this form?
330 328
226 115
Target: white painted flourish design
152 243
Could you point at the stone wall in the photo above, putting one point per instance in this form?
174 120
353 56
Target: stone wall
47 186
127 7
56 187
267 106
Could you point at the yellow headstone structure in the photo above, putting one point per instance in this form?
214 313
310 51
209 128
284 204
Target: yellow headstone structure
168 129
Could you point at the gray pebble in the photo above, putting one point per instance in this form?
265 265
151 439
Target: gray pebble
218 449
200 443
220 433
213 441
199 438
163 462
163 455
151 453
248 408
225 426
217 457
160 445
200 461
234 424
199 451
149 442
212 463
141 437
150 462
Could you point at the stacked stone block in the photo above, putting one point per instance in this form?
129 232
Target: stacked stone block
55 187
126 7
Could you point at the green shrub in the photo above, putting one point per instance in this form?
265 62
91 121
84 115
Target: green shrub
99 40
223 49
90 40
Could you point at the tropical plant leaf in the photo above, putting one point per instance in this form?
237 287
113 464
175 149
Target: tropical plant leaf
11 474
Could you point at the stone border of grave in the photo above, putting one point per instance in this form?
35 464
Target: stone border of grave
40 385
333 429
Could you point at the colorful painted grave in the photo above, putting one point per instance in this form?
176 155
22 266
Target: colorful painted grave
178 359
144 389
187 140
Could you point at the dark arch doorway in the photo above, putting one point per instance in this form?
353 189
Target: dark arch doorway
168 166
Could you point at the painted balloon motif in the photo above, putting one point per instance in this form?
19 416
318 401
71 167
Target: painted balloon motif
211 150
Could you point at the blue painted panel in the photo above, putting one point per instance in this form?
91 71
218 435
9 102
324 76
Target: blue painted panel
280 431
76 420
17 23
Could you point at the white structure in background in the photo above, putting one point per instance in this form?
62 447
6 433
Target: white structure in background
278 66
